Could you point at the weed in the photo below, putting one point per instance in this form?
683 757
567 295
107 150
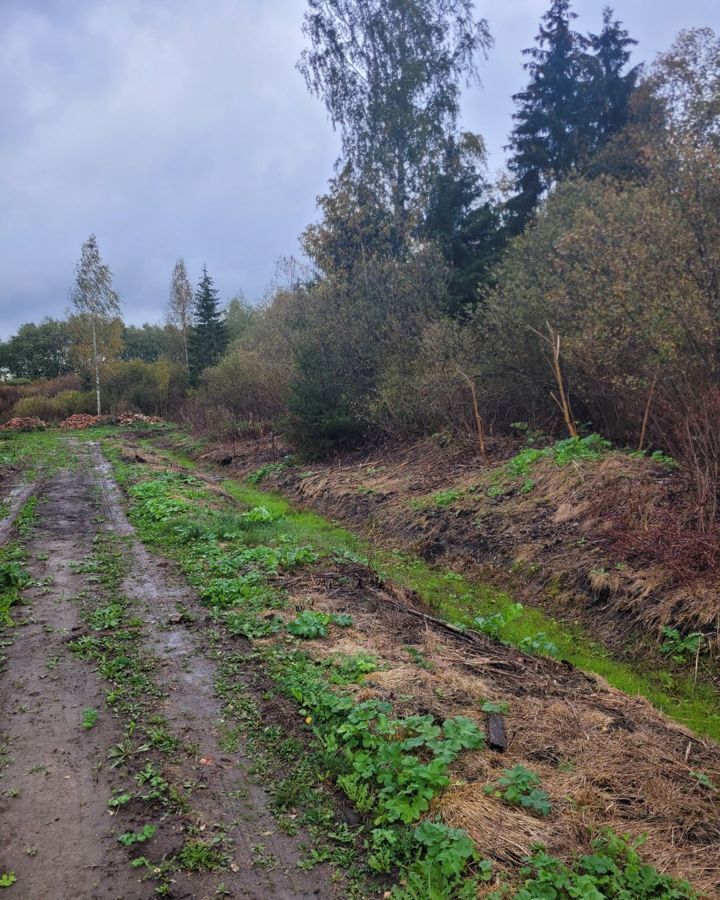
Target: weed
89 717
106 618
137 837
161 739
539 645
680 647
492 706
418 659
613 870
441 499
7 879
438 873
201 856
493 624
704 780
13 578
268 469
262 858
310 625
519 787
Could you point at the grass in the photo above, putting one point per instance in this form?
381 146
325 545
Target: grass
34 452
460 601
232 559
236 560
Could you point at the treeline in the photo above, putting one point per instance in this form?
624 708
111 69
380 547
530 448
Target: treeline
580 291
92 362
427 284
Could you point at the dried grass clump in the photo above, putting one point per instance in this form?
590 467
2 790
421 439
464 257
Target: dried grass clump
500 832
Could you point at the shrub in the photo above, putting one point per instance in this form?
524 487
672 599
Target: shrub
57 407
43 407
70 402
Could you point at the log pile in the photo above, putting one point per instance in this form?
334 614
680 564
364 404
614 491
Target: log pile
82 420
131 418
24 423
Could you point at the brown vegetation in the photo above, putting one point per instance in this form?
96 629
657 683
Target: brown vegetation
603 757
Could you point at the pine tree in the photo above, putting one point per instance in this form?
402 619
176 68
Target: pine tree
547 139
208 338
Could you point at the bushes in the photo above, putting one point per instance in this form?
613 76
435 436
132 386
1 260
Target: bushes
248 384
42 407
54 409
155 389
70 402
9 396
135 386
320 417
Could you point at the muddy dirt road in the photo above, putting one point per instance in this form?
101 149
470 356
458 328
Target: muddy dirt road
231 702
154 752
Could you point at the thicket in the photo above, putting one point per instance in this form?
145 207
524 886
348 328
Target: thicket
602 315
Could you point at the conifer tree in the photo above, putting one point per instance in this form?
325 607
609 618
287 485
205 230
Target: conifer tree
609 84
577 98
463 221
208 338
547 136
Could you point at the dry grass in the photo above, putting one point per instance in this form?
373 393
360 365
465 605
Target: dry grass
604 758
612 530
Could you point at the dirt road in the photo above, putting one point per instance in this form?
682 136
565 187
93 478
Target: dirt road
66 753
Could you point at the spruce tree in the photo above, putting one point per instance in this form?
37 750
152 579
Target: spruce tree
609 84
208 338
463 222
546 140
577 98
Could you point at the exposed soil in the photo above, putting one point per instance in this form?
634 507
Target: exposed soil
60 839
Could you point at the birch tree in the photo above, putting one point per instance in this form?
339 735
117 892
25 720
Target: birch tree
179 308
390 73
96 303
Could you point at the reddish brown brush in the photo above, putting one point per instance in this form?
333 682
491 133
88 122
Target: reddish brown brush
685 549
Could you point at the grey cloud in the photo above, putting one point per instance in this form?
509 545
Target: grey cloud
183 128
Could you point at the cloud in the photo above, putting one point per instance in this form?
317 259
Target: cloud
168 129
181 127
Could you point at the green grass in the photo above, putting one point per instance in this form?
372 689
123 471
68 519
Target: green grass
460 601
34 451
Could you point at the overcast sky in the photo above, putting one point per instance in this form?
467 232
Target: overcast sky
182 128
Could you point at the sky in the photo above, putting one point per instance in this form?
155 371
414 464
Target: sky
182 128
